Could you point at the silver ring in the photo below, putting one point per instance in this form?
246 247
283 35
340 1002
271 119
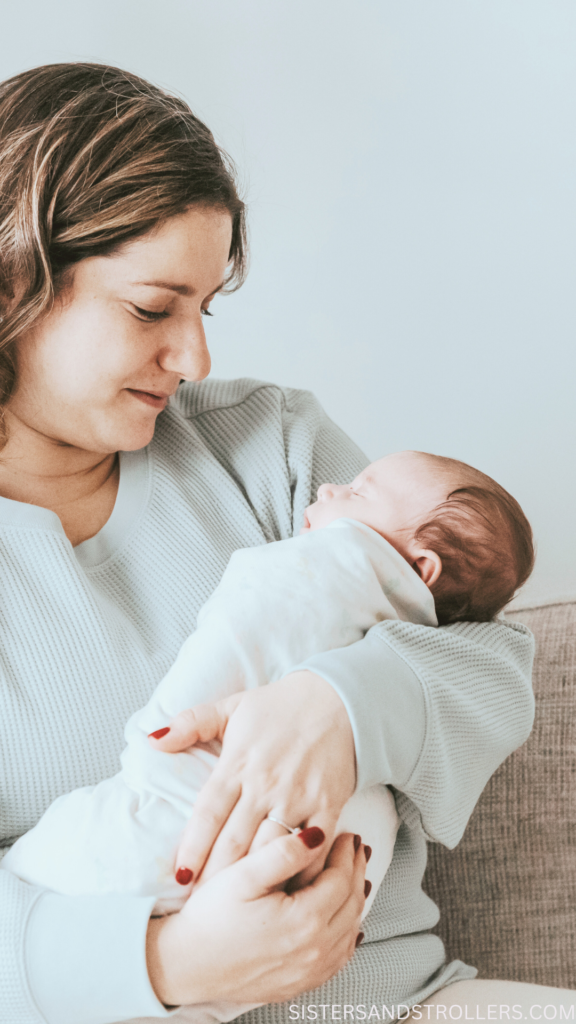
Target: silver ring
294 831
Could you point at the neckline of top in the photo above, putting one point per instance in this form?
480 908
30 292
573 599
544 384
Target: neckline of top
131 499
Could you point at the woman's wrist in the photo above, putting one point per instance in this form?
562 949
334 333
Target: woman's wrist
161 958
172 956
154 959
324 702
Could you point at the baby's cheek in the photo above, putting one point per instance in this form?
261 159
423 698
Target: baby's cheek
325 512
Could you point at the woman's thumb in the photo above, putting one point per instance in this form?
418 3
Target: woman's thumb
272 865
195 725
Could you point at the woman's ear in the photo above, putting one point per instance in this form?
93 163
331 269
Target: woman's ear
428 565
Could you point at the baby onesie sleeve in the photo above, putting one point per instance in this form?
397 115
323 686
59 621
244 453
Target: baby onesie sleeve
434 711
73 960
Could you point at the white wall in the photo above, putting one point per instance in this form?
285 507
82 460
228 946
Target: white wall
411 171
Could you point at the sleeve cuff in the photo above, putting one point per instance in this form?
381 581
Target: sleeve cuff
385 703
86 959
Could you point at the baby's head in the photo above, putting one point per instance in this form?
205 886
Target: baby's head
464 535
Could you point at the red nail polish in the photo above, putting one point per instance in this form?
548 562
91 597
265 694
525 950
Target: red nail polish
367 852
367 888
184 876
359 939
357 841
159 733
312 837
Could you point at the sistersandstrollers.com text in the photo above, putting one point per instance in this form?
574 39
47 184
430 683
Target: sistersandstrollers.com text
343 1012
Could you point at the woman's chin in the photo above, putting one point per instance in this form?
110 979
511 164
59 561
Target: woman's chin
130 437
121 432
133 440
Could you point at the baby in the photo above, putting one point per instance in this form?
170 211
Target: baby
415 537
463 534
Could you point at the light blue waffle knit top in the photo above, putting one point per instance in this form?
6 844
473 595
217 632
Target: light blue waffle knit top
86 634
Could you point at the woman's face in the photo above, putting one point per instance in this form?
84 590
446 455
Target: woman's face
98 370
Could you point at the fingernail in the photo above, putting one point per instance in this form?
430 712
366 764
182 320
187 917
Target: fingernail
367 852
367 887
184 876
312 837
359 938
159 733
357 841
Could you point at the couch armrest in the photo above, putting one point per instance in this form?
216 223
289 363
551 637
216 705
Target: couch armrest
507 893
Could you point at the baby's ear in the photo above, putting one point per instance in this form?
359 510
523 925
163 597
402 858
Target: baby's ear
428 565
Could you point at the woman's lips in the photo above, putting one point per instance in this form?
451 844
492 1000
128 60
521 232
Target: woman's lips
156 400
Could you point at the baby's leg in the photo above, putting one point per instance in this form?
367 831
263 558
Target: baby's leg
121 835
112 838
372 815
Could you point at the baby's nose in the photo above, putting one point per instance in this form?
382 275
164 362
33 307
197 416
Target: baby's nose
325 492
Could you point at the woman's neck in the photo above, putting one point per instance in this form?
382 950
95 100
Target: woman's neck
79 486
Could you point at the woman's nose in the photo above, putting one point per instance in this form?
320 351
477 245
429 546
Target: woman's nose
186 353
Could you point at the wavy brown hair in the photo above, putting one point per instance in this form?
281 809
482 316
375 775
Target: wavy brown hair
92 157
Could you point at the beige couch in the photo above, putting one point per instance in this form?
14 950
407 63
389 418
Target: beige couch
507 894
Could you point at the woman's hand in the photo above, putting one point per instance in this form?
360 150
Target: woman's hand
238 938
288 750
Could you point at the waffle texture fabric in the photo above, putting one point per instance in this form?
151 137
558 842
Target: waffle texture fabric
87 633
515 869
275 605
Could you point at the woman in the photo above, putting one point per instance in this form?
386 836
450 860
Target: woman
119 223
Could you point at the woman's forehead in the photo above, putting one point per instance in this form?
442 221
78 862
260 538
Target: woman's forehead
184 254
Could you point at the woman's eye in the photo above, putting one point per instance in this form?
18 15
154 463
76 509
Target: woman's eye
152 317
149 315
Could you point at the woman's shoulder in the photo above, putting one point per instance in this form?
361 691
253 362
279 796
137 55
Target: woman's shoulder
213 395
253 423
275 442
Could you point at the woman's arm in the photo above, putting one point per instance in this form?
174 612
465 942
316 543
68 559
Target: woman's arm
69 960
433 712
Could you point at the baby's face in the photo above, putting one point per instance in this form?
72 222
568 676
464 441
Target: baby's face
392 495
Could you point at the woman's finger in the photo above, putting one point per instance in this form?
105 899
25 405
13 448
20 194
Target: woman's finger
349 913
236 836
247 821
327 822
272 865
267 832
199 724
342 879
215 803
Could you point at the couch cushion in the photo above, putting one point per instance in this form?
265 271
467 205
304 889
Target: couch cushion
507 894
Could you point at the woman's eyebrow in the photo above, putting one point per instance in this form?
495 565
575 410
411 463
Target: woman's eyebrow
180 289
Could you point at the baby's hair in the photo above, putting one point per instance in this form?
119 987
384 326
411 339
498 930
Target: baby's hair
484 541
